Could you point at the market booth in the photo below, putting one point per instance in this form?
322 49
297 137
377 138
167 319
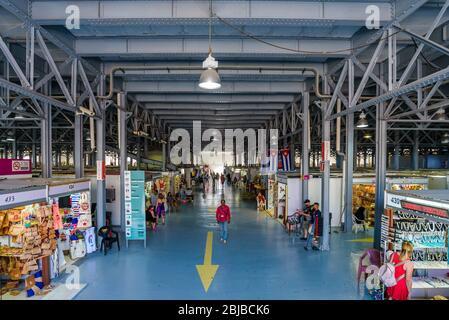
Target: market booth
363 192
421 217
289 190
43 222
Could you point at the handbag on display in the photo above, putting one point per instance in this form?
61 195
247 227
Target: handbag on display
85 221
77 249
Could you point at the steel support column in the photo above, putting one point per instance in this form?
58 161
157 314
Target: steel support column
78 152
397 151
46 147
305 161
100 156
350 147
325 185
381 169
416 151
122 138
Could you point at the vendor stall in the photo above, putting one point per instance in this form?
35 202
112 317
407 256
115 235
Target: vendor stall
33 224
364 191
289 194
71 206
421 217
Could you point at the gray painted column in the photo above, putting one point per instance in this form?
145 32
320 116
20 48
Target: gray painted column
33 150
14 145
164 156
139 157
365 159
122 138
100 156
415 159
381 169
396 156
349 170
305 145
325 186
350 151
46 137
78 151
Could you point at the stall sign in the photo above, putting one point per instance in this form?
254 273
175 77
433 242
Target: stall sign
427 207
70 188
10 167
442 213
13 199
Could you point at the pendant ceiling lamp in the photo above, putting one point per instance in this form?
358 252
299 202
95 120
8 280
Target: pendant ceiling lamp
19 115
445 139
362 123
210 80
441 114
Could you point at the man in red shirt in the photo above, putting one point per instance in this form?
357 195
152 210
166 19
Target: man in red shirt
223 215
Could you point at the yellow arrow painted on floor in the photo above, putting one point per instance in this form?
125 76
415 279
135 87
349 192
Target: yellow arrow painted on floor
368 240
207 270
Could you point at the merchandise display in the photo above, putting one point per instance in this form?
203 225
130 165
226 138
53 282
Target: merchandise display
421 217
28 235
364 192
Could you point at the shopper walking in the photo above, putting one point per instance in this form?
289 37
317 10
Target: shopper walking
153 198
223 215
260 201
315 216
151 217
160 208
170 202
403 273
305 219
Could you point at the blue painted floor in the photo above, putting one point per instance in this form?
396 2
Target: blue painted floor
260 261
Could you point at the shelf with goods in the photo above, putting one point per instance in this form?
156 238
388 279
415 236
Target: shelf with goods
71 207
421 217
364 191
27 235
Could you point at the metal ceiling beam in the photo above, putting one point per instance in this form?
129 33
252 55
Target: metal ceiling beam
162 113
34 95
180 87
13 8
187 47
196 12
421 83
217 98
215 107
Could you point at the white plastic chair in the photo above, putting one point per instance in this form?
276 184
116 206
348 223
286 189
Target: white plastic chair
358 224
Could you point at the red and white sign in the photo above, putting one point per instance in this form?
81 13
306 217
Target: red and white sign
9 167
101 170
326 150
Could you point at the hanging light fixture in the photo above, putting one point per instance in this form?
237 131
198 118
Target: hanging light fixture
10 137
445 139
18 115
367 135
209 79
441 114
362 123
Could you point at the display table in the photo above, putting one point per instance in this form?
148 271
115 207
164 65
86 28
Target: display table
421 217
